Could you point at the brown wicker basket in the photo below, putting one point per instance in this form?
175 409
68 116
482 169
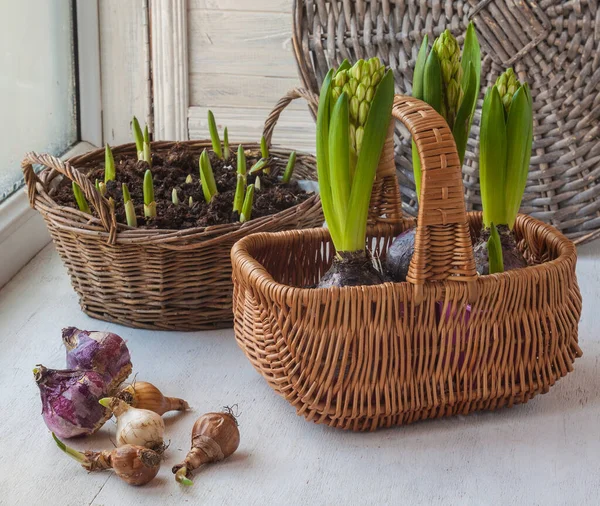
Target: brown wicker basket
445 342
552 44
154 279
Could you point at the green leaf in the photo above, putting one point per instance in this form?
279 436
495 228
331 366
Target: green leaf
492 159
126 195
110 173
148 188
494 247
258 166
375 134
138 137
417 87
226 151
519 128
80 198
240 189
416 161
322 145
246 213
264 149
241 161
289 168
209 187
214 135
339 158
471 54
464 117
432 82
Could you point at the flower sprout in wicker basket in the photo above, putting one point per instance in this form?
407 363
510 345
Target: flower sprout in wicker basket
146 235
445 341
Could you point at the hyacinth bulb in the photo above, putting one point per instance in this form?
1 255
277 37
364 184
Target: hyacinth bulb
103 352
70 398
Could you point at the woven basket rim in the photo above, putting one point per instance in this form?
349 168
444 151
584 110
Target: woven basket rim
259 276
84 223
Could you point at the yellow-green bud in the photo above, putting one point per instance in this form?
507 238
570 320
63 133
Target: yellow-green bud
361 92
370 94
340 79
353 85
356 70
363 112
507 85
354 104
360 132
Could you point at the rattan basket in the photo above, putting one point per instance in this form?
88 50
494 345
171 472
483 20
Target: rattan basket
154 279
444 342
552 44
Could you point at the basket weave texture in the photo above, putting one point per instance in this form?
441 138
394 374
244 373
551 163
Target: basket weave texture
154 279
445 342
553 45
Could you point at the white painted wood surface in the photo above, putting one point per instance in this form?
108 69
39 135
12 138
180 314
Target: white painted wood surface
546 452
124 63
170 69
241 62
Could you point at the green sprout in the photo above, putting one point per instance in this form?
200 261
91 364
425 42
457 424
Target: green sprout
101 187
264 153
147 156
110 172
188 179
240 189
226 150
241 160
174 197
257 183
289 169
80 198
149 203
258 166
190 201
209 187
129 207
247 205
214 135
138 137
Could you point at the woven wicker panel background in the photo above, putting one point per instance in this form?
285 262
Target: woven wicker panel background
552 44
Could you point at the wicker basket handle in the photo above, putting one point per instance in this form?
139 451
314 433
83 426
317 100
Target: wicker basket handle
443 248
100 204
287 99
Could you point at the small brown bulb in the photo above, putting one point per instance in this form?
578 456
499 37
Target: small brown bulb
144 395
135 465
215 436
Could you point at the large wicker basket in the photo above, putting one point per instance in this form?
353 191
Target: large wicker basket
154 279
552 44
445 342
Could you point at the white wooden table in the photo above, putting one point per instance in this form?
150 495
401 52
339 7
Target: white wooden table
546 452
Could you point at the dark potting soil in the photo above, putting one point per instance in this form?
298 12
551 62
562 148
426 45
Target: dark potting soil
170 171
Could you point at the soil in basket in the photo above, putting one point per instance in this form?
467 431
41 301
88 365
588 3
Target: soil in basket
170 171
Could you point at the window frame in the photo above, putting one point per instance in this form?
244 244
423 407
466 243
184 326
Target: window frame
23 232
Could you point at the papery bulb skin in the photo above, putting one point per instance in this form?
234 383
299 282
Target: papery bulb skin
135 426
135 464
103 352
144 395
70 401
215 436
